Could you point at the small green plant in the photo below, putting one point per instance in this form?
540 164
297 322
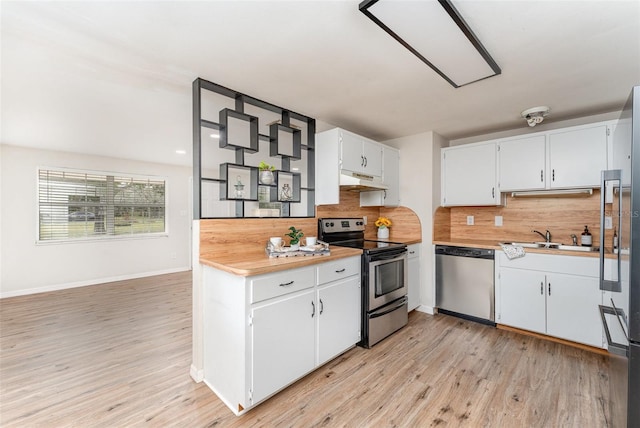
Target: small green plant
263 166
295 235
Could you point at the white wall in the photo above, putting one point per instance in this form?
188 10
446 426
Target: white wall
27 267
417 192
547 125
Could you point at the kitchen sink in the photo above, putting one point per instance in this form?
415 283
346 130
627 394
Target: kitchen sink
522 244
578 248
552 246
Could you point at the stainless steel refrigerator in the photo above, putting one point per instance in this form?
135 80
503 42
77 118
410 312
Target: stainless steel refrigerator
620 265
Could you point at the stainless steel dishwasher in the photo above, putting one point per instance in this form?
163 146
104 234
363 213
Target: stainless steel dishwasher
465 282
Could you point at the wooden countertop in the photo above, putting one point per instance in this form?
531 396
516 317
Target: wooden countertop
493 245
251 259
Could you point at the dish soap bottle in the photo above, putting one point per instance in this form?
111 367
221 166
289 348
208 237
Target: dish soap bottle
615 239
585 239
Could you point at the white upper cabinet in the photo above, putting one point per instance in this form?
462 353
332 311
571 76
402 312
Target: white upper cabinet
522 163
390 178
560 159
358 154
339 150
469 175
577 156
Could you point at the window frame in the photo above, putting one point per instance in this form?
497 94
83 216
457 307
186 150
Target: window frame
105 237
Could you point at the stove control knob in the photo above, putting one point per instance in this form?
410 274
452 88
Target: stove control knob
331 224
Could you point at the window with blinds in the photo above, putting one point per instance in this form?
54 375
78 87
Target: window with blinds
76 205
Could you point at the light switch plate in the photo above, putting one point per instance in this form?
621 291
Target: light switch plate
498 220
608 222
469 220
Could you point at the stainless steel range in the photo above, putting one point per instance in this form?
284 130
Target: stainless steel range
384 277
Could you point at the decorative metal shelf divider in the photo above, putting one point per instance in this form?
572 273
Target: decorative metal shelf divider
227 152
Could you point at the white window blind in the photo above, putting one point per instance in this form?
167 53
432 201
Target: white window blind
75 205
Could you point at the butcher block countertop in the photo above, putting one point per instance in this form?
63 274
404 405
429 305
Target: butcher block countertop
251 259
493 245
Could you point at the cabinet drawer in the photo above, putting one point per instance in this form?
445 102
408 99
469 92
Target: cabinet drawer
413 251
276 284
338 269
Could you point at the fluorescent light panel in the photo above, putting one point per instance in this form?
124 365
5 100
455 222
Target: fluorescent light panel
435 32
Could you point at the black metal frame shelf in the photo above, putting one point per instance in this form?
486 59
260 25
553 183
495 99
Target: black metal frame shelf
239 135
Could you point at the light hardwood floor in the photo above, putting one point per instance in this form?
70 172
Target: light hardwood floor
118 355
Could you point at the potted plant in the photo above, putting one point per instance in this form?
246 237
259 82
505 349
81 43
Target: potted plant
295 235
266 172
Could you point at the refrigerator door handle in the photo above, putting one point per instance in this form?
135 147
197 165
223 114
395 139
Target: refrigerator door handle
610 175
614 348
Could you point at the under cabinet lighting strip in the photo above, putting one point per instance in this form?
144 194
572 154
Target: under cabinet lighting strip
550 193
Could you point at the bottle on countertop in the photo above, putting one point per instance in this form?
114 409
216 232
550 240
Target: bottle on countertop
585 239
615 239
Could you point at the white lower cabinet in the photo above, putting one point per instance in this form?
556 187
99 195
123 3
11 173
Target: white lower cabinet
338 329
283 343
522 299
549 294
413 262
262 333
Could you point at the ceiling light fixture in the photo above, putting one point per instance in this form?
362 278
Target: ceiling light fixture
181 152
535 115
435 32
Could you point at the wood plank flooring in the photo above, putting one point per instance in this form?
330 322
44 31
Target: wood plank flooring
118 355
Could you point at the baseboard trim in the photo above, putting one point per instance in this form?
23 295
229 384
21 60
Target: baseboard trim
58 287
196 374
554 339
426 309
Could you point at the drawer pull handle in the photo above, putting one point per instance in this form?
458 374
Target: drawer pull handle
313 309
286 283
321 307
541 288
341 270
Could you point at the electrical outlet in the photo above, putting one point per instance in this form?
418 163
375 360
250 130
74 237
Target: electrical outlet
364 218
608 222
498 220
470 220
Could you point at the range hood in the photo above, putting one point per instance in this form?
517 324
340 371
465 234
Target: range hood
358 182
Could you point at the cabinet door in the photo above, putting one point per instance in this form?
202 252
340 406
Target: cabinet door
621 149
283 342
469 175
339 318
351 154
572 308
390 177
372 153
577 156
414 276
522 299
522 163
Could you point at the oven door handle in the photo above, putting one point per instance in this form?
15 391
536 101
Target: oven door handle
387 257
400 304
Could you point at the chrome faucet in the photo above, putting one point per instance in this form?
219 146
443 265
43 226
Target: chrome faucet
575 239
546 236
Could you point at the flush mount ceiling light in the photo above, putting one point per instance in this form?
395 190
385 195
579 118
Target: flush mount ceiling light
535 115
435 32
